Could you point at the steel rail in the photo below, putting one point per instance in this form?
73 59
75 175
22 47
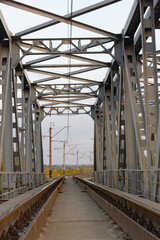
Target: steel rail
25 219
132 213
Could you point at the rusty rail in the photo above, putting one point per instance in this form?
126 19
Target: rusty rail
133 215
25 220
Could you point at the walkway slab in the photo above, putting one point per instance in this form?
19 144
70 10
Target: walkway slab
75 216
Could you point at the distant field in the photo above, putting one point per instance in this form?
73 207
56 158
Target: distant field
58 170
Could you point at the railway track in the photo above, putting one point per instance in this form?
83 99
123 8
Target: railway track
25 220
75 216
138 217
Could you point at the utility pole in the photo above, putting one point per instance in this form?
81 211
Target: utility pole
77 161
50 151
50 147
90 162
64 168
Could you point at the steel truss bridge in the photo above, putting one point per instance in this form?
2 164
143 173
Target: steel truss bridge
124 104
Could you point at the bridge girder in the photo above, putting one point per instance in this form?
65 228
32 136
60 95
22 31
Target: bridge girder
124 104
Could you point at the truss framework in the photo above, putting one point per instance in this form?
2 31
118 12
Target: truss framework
55 76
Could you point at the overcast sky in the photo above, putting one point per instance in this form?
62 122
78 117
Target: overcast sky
111 18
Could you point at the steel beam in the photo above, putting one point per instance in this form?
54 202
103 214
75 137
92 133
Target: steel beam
73 50
60 18
68 16
62 76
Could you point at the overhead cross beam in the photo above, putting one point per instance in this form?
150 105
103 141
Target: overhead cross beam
46 45
62 76
68 103
63 110
44 80
60 18
68 16
73 50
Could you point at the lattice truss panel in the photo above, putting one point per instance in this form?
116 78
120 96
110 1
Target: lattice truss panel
48 76
129 106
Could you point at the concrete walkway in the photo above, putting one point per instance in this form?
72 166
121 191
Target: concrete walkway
75 216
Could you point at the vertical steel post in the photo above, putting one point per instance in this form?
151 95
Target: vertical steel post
108 130
39 154
150 79
50 152
150 84
77 161
64 167
95 150
6 133
90 162
6 137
